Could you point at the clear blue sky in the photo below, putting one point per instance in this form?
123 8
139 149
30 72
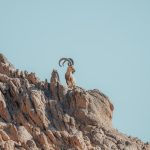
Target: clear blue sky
109 41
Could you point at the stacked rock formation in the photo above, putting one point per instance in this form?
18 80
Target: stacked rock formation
38 115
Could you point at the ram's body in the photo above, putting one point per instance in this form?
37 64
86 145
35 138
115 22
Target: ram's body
69 77
70 70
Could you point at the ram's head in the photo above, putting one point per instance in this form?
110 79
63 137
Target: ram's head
70 62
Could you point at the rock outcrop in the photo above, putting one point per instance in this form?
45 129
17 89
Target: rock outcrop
38 115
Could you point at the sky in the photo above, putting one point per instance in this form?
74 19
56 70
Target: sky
108 40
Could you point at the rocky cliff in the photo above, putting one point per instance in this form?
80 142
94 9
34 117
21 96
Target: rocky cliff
42 115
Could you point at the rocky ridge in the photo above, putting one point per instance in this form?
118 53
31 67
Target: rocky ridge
42 115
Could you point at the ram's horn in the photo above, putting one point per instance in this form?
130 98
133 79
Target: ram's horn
72 62
65 59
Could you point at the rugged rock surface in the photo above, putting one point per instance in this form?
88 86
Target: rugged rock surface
37 115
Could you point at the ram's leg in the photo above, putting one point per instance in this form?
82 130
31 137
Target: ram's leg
68 83
72 82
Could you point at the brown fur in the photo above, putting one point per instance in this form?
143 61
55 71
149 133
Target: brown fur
69 78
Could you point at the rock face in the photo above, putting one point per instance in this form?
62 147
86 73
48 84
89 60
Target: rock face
37 115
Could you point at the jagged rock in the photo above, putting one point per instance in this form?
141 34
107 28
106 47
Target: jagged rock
32 78
4 60
5 66
12 132
38 101
4 135
37 115
3 109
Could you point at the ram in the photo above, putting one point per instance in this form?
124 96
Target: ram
69 73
